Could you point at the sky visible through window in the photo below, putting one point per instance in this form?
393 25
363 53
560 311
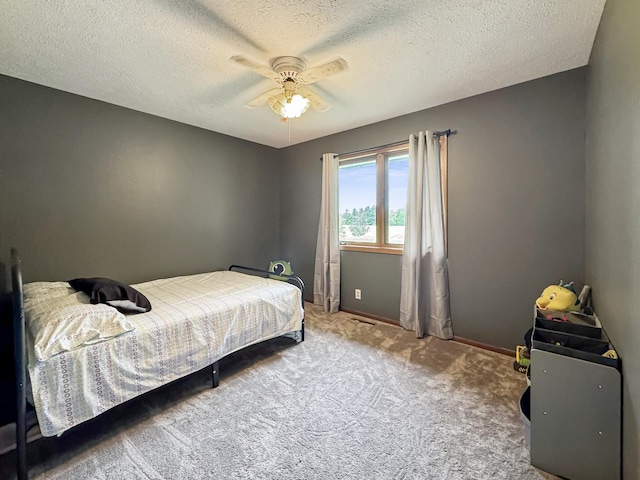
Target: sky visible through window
398 179
358 184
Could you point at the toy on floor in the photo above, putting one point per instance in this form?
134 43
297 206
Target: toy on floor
560 298
523 359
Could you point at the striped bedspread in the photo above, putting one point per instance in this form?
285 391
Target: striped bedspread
195 321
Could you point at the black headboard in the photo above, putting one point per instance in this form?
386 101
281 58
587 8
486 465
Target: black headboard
7 365
20 364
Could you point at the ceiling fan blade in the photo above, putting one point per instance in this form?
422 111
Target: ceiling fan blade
318 103
262 99
256 67
314 74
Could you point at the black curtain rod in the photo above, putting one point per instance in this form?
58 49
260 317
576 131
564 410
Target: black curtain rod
443 133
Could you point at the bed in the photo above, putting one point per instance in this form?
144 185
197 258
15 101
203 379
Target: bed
194 321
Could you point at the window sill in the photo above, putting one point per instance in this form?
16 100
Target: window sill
372 249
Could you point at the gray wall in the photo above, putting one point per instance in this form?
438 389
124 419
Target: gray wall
516 204
89 188
613 200
359 271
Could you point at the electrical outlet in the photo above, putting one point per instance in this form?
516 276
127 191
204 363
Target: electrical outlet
358 294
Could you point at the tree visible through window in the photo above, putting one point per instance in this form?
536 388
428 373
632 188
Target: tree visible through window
372 200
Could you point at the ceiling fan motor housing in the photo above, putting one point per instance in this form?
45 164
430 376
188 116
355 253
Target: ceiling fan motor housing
288 67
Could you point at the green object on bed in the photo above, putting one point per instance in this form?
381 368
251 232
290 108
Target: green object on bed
280 267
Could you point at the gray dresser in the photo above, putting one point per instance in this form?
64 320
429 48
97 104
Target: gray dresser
575 401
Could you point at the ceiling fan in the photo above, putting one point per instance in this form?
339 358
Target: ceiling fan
292 98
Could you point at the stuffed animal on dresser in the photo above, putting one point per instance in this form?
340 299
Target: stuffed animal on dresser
560 298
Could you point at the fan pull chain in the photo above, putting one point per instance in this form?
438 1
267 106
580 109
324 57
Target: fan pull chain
289 122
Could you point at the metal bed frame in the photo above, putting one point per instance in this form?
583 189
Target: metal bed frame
20 355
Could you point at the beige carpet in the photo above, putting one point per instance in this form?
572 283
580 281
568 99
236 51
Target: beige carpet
354 401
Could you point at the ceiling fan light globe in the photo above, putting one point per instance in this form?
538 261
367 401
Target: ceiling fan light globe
296 107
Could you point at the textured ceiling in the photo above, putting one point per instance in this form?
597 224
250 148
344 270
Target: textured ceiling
171 57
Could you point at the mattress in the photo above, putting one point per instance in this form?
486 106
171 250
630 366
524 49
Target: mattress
195 321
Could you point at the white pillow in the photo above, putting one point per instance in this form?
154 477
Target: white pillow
61 323
36 292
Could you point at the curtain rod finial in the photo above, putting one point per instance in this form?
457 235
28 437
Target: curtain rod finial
445 133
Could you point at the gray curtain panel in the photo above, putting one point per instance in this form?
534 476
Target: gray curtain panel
326 277
424 294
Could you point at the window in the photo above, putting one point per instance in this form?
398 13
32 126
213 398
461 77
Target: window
372 200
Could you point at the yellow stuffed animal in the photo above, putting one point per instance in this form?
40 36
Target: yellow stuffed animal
560 298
